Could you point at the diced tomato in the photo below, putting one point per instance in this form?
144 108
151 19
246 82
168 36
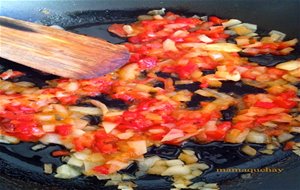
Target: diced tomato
215 20
284 100
241 125
104 143
275 71
117 29
266 118
267 105
185 71
248 74
59 153
63 130
103 169
289 145
68 100
11 74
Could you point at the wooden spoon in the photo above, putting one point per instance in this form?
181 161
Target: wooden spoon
57 51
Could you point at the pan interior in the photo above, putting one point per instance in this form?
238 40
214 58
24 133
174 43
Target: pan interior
21 165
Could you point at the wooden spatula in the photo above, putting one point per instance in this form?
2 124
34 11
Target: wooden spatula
57 51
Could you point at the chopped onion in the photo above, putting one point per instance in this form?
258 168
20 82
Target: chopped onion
129 72
295 129
38 147
66 171
78 132
125 135
289 65
252 27
297 152
277 35
157 12
267 151
51 138
173 134
231 22
177 170
147 163
83 155
25 84
174 162
139 147
8 139
86 110
226 47
169 45
248 150
100 105
72 86
109 126
256 137
200 166
204 38
285 137
145 17
75 162
128 29
45 117
48 168
49 128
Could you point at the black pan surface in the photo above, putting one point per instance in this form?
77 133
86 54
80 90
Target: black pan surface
21 168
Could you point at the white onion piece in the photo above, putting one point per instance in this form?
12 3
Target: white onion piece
83 155
252 27
75 162
231 22
51 138
8 139
85 110
204 38
108 126
277 35
125 135
256 137
128 29
174 162
72 86
147 163
89 165
289 65
48 128
45 117
48 168
157 12
226 47
249 150
176 170
100 105
38 147
285 137
169 45
66 172
78 132
139 147
173 134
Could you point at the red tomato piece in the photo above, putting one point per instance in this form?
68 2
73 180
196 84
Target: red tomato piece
63 130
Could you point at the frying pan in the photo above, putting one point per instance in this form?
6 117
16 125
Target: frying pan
21 168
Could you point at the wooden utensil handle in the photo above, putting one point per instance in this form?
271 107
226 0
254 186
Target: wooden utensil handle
57 51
